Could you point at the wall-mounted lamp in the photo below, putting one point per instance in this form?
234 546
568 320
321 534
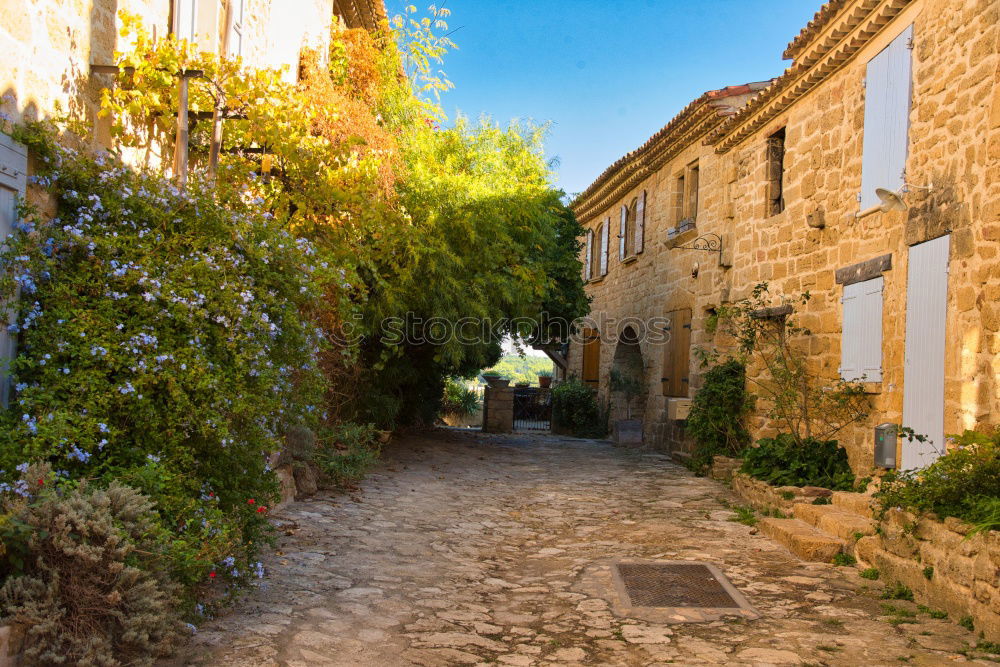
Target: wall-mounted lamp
890 201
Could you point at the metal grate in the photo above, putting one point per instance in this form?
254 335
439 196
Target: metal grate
532 409
675 585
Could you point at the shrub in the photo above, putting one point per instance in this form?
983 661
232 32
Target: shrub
718 414
95 588
871 573
459 400
844 560
574 407
897 591
347 452
964 483
783 462
161 344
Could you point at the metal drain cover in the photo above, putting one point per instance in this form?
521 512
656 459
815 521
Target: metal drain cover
682 586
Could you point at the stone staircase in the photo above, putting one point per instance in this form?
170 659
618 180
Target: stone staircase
820 532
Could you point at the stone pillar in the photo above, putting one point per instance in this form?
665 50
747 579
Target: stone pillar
498 410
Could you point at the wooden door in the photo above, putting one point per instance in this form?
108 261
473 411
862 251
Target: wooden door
675 379
591 357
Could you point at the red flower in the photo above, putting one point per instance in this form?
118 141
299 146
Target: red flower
41 482
250 501
261 509
211 575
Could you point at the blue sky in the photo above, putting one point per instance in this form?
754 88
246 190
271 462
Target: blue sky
607 73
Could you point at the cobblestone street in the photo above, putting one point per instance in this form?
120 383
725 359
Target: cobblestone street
463 548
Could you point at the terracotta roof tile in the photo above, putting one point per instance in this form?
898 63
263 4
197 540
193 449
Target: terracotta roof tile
712 98
814 27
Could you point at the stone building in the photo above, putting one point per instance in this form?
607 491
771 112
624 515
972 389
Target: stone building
52 46
54 51
765 183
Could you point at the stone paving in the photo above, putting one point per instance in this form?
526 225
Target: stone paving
471 549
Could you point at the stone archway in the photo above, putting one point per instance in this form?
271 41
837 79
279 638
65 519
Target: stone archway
628 363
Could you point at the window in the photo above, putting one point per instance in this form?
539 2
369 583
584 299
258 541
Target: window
591 357
13 179
887 119
676 354
234 47
861 340
776 172
588 259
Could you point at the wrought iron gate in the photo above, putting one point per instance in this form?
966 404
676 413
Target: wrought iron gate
532 409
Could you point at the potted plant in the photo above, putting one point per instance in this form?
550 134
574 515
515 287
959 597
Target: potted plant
522 385
545 379
628 431
494 379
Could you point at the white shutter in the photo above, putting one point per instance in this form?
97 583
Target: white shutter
926 329
13 180
640 222
861 337
850 336
186 19
604 246
871 316
587 260
888 82
622 229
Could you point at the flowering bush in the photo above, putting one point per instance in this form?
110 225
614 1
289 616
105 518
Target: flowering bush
160 344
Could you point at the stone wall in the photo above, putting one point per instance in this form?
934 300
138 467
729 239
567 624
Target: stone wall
954 143
944 567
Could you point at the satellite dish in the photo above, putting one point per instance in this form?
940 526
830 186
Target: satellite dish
890 201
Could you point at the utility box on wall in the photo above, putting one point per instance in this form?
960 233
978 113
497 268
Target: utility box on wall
885 445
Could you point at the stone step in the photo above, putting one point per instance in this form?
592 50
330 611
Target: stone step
835 521
801 539
859 503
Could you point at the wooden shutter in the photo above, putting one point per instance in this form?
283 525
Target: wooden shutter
622 233
677 354
588 260
605 229
13 180
888 80
692 183
640 222
591 357
861 338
